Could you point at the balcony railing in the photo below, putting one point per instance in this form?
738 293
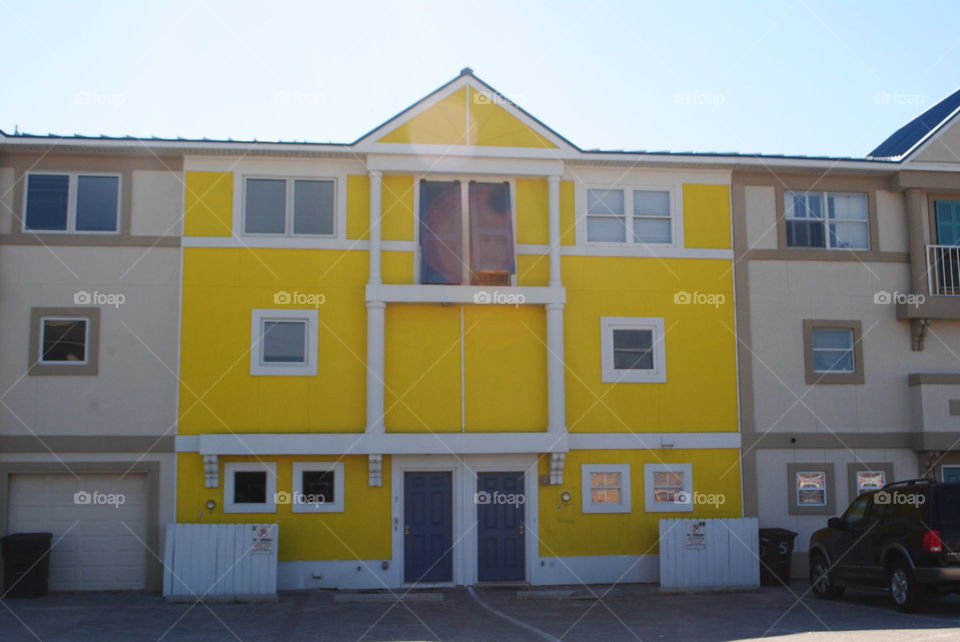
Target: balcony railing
943 270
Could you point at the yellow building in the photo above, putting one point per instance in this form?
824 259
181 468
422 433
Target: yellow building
459 349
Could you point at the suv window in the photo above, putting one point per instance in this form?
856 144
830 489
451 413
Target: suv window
856 515
948 509
908 505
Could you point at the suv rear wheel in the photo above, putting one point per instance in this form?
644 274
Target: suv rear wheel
906 593
821 581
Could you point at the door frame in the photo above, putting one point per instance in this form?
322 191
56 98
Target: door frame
464 468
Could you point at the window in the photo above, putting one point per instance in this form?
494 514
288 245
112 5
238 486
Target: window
284 342
833 352
856 514
829 220
632 350
811 488
668 488
950 473
868 480
289 206
629 216
63 341
863 477
466 233
606 488
249 487
318 487
72 203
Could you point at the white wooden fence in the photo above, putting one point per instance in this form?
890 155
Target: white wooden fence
220 562
709 554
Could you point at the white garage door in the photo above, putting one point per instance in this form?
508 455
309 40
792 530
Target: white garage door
92 513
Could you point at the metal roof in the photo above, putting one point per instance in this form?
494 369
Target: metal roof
908 137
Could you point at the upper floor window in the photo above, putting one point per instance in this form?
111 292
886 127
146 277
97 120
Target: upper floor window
63 341
629 216
830 220
632 350
288 206
466 233
832 351
72 203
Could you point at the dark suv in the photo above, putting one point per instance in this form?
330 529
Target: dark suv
904 537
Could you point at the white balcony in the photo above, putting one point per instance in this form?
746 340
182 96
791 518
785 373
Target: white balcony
943 270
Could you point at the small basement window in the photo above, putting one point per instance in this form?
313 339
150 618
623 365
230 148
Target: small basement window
318 487
250 487
606 488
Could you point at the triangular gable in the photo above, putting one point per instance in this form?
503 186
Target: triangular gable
943 146
468 112
928 137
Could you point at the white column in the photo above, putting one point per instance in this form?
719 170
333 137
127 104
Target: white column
553 214
376 182
556 398
376 313
375 360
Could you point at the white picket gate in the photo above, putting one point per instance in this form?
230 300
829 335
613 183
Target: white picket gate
709 554
220 562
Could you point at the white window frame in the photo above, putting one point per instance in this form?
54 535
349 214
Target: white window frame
588 505
826 220
675 222
825 490
257 365
86 341
288 205
853 351
650 505
231 467
945 467
334 506
612 375
71 225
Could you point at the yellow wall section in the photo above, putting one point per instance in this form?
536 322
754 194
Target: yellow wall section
533 225
362 531
506 368
397 267
700 393
444 123
491 124
208 204
568 216
358 206
221 288
397 205
533 269
706 216
570 531
422 368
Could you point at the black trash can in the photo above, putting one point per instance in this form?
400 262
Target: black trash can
26 564
776 549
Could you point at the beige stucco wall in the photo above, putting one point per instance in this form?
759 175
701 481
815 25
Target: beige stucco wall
783 293
761 217
134 393
157 203
943 148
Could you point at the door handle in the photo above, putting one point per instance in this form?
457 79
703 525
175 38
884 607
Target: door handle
521 529
406 530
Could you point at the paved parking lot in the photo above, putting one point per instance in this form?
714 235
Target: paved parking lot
627 613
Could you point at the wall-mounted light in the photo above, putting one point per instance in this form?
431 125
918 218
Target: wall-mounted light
211 504
565 496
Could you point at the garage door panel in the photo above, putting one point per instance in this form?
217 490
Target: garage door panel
96 548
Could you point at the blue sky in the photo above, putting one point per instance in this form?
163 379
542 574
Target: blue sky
773 77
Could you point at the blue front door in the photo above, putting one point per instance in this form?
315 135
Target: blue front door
428 527
500 527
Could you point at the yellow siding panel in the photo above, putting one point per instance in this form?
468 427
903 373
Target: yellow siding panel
397 205
506 368
566 530
221 289
445 123
568 216
358 206
700 393
532 212
492 125
208 204
422 368
706 216
361 531
533 269
397 267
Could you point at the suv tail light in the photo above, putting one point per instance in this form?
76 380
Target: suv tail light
932 542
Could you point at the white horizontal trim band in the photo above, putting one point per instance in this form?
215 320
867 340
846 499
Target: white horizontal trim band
479 294
445 443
